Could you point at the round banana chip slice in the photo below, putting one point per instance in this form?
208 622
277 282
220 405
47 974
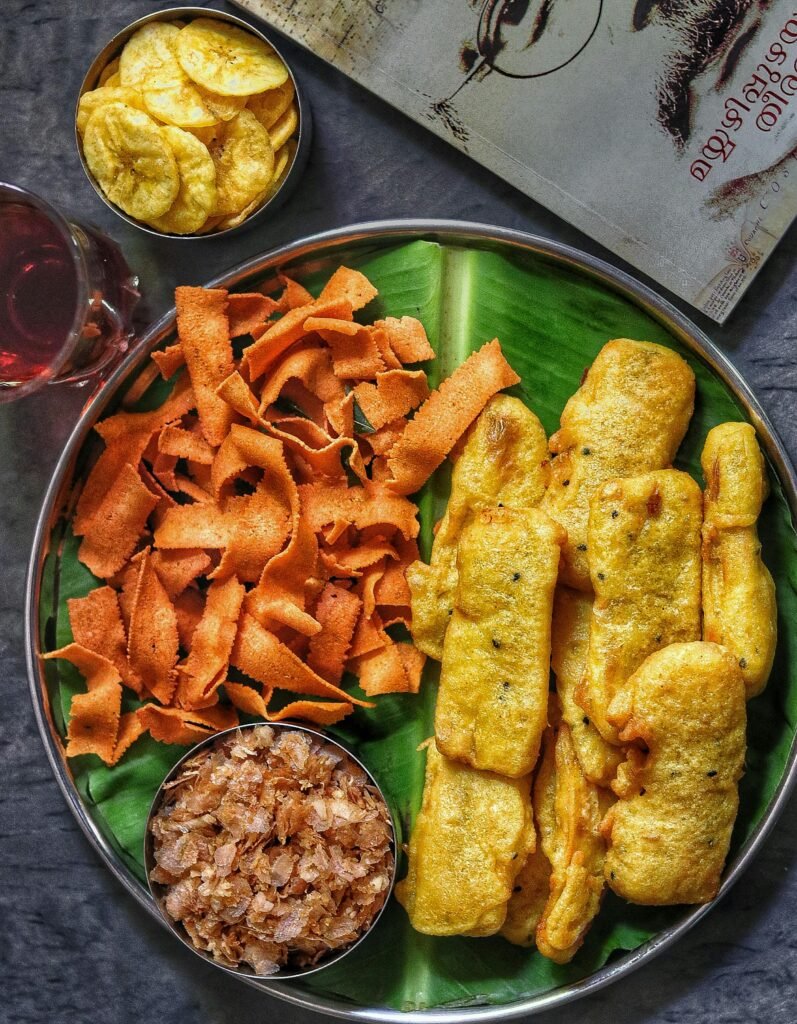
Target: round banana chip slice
90 101
197 194
128 154
268 107
178 104
228 60
238 218
223 108
282 129
283 161
149 63
149 57
244 160
110 69
207 135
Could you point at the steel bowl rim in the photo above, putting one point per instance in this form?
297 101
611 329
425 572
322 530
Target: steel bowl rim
324 243
212 740
303 134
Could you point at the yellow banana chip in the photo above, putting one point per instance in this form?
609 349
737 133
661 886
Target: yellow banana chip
149 58
244 160
179 104
149 63
109 71
238 218
268 107
210 225
208 134
282 164
228 60
197 194
128 154
90 101
283 128
224 108
113 81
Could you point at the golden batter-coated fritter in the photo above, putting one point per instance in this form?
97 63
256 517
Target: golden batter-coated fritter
572 612
502 462
528 899
628 417
644 539
568 810
493 697
739 605
471 838
669 832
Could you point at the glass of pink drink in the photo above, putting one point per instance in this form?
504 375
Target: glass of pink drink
66 297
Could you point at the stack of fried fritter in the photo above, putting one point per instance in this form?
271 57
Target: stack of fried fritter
649 599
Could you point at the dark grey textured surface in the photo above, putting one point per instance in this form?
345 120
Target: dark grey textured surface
75 947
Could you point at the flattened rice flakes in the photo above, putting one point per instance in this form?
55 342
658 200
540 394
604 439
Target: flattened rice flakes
273 850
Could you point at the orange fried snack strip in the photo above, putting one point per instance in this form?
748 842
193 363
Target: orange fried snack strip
446 415
319 712
293 295
337 612
407 338
116 525
97 625
355 354
263 657
152 640
126 435
206 666
395 393
350 285
169 359
94 715
204 333
394 668
280 336
185 445
248 312
238 395
371 505
179 567
184 728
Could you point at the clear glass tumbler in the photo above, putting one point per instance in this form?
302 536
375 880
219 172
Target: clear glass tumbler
66 297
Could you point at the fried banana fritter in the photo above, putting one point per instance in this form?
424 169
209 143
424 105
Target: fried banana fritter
644 539
572 612
628 417
471 837
568 810
493 697
739 605
503 462
669 832
528 899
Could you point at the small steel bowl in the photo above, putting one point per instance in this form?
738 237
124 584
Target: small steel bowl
304 132
157 891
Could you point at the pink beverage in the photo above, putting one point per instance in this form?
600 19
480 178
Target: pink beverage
66 297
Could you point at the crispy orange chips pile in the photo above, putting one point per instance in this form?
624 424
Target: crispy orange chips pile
253 531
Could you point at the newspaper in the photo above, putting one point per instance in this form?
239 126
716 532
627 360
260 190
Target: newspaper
664 129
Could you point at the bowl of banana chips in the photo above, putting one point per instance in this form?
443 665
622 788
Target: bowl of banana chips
189 123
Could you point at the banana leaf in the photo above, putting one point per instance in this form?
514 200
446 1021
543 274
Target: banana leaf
551 322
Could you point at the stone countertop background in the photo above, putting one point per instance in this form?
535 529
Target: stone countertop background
75 947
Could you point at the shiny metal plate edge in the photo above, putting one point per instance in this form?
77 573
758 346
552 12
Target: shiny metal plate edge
325 243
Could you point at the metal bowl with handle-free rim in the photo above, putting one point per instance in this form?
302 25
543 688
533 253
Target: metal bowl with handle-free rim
327 250
303 135
157 890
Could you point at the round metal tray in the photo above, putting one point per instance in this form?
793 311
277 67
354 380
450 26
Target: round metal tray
330 248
